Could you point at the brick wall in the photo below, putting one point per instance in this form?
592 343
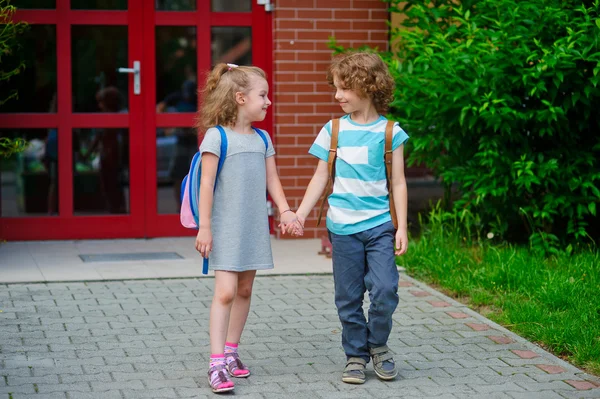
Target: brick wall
303 101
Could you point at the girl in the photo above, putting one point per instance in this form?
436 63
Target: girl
233 230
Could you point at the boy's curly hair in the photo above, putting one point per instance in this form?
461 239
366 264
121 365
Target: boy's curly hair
367 75
219 106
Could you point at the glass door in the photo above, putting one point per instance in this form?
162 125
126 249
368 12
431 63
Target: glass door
80 109
182 41
106 103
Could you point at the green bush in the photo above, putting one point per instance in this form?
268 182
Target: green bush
501 98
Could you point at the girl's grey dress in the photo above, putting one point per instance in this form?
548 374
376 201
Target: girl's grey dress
239 223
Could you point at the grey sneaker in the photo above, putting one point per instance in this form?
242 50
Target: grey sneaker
383 363
354 372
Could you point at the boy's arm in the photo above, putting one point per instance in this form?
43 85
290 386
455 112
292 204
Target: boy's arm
314 190
400 193
276 190
207 185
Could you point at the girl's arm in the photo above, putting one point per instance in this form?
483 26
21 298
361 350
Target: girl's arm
276 190
313 191
207 186
400 199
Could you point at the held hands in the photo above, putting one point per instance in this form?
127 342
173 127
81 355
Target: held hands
290 224
204 241
401 242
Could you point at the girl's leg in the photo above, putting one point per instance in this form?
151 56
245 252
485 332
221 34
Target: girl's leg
220 310
241 306
237 321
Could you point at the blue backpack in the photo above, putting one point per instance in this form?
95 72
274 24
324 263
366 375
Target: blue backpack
190 186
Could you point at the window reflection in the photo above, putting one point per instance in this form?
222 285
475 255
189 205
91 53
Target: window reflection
36 83
231 5
29 180
99 4
176 85
97 53
175 5
175 148
39 4
101 171
232 44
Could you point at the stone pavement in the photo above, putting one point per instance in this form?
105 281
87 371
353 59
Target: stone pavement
149 339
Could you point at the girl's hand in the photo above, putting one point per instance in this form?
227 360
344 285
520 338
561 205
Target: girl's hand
401 242
204 241
285 220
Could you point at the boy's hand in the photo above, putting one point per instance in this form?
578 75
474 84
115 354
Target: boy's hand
204 241
401 242
297 229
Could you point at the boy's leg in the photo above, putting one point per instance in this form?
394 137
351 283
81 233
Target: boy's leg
348 257
382 282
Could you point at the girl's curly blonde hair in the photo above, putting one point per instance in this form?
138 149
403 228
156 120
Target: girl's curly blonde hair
367 75
219 106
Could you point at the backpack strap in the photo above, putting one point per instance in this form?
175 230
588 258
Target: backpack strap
335 129
262 136
389 135
222 156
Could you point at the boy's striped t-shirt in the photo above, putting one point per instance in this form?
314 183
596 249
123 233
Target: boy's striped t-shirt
360 198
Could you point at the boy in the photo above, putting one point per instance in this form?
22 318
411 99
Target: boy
359 221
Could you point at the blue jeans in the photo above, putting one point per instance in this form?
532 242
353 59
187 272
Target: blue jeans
365 261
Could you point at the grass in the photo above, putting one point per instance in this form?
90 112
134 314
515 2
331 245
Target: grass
554 302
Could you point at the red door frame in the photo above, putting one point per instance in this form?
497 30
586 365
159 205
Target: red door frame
203 19
142 120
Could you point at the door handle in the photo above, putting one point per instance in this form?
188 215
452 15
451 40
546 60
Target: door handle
137 89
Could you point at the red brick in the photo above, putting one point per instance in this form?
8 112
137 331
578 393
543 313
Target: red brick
294 45
525 354
379 14
315 56
295 4
315 14
478 327
337 25
323 35
295 24
286 77
350 14
379 35
405 284
343 4
286 161
282 139
581 385
284 98
295 109
285 56
284 119
439 304
550 369
296 87
457 315
284 35
316 119
370 25
351 35
316 98
501 339
284 14
420 293
369 4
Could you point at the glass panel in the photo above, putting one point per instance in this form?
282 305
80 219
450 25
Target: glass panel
29 180
36 83
175 5
175 148
231 5
97 53
176 85
101 171
232 44
34 3
99 4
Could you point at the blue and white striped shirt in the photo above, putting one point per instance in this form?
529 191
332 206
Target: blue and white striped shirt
360 198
